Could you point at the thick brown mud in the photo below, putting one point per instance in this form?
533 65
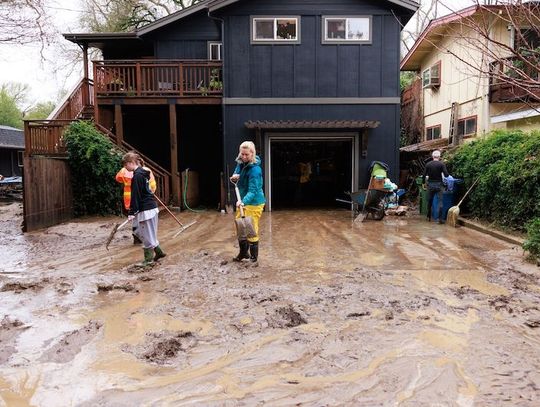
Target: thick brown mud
379 313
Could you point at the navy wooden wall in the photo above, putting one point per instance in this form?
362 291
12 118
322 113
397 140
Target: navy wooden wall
186 39
311 69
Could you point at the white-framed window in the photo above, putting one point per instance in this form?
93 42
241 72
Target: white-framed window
20 158
214 51
275 30
433 132
431 77
466 126
345 30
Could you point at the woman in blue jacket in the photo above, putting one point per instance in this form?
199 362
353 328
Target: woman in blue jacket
248 176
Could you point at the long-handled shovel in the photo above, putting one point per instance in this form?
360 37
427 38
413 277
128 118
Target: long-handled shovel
453 212
182 226
115 229
244 225
362 215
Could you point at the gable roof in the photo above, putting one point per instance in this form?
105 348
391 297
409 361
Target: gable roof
433 33
97 39
10 137
408 4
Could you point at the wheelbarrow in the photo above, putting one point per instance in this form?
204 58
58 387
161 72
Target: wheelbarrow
376 203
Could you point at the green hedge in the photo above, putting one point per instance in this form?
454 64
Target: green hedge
508 164
94 161
508 191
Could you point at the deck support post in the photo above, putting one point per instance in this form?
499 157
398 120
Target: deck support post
175 174
118 124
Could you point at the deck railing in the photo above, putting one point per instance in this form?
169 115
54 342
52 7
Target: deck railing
158 78
74 104
45 137
512 80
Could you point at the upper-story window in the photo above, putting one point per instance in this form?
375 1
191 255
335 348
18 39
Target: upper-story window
466 126
214 51
275 30
431 77
344 30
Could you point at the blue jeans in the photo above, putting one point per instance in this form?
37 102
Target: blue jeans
435 187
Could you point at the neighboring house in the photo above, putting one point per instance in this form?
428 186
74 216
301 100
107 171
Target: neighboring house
463 91
309 82
11 151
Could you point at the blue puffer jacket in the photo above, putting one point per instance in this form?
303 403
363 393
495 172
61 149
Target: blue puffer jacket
250 183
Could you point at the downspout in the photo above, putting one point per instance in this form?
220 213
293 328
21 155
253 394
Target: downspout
223 53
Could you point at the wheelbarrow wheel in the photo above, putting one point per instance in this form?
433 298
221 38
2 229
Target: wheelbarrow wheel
379 213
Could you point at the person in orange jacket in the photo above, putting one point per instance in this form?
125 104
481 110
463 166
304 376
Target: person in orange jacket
124 177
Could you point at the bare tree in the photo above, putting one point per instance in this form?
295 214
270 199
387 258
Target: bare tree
512 61
429 9
126 15
24 22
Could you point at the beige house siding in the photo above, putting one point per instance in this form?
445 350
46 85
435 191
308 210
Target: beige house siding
464 79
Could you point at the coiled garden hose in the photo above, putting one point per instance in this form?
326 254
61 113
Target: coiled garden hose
184 195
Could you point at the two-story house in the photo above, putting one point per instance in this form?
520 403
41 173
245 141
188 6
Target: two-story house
465 62
309 82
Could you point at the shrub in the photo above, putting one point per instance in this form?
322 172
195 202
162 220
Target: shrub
532 244
508 164
94 161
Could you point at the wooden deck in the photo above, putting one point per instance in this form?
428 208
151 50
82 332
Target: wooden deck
513 81
157 79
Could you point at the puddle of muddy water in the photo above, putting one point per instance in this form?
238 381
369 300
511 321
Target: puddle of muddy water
394 312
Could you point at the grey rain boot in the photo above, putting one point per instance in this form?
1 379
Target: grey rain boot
243 254
254 250
159 253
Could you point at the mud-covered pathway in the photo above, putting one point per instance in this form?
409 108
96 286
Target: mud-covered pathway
398 312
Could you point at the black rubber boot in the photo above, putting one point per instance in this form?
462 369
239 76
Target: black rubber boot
159 253
136 239
243 254
254 251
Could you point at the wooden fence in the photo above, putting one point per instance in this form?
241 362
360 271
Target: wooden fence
48 199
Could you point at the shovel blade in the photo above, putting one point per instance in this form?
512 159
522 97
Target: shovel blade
245 228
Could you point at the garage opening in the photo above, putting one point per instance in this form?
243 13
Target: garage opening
310 173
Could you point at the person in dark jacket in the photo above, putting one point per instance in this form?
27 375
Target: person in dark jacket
143 206
248 177
433 175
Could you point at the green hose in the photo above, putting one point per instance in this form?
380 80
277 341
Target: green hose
184 195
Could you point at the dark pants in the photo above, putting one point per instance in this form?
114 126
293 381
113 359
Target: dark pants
435 188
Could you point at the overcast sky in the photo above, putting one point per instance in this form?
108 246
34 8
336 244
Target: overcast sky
23 63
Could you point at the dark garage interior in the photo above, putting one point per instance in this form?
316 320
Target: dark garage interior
310 173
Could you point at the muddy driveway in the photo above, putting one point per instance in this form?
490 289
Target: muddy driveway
398 312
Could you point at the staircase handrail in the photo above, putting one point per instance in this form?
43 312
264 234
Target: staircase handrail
155 166
68 98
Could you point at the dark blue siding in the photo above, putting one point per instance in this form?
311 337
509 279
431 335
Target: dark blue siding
311 69
187 38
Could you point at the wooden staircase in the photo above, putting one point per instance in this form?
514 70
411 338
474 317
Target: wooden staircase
45 137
